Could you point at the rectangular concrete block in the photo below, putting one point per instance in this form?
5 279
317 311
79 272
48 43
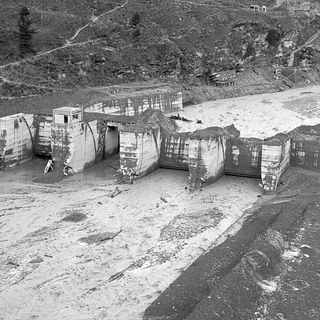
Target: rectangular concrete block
42 135
139 149
174 151
305 153
206 160
16 139
83 145
275 160
243 157
135 103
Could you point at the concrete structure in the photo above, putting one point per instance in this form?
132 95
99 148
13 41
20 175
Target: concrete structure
207 154
147 140
305 148
174 152
42 135
255 7
275 160
243 157
73 141
139 149
16 139
138 102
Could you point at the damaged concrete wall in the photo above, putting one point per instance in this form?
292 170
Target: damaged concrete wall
61 140
174 152
243 157
16 139
84 145
305 147
42 135
275 160
162 100
75 144
139 149
305 154
207 154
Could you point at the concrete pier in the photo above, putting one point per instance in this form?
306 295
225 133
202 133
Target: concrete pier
42 135
174 153
243 157
139 150
16 139
305 149
275 160
146 139
207 154
74 142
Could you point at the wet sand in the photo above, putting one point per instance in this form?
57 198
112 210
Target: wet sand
47 272
141 239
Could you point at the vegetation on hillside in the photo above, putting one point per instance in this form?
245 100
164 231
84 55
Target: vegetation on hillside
106 42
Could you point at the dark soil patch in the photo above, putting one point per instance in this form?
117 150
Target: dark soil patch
75 217
99 237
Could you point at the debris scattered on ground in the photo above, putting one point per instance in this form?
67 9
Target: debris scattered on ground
36 260
180 118
13 264
100 237
116 276
115 192
75 217
164 199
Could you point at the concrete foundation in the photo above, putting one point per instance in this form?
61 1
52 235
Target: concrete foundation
305 148
243 157
16 139
139 150
42 135
138 102
207 154
149 140
174 152
73 142
275 160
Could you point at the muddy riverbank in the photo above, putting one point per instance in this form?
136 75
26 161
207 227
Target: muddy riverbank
267 270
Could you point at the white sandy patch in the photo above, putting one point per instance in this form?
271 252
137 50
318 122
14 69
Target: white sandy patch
68 279
48 273
259 116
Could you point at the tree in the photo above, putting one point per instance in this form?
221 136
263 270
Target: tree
135 20
25 32
273 37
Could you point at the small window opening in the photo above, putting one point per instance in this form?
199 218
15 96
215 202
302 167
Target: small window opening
65 119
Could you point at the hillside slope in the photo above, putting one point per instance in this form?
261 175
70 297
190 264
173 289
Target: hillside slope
102 43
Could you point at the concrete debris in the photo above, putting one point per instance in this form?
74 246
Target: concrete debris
116 276
13 264
163 199
49 167
115 192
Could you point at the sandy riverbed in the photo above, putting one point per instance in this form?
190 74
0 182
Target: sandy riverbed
50 269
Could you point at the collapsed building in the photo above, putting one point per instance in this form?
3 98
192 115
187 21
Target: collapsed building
135 127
